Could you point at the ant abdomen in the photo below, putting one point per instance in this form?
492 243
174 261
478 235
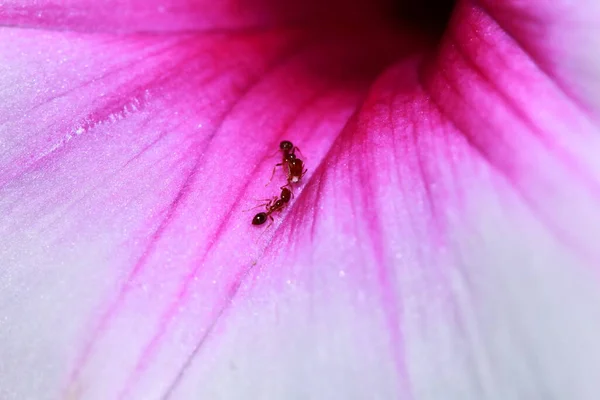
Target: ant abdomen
259 218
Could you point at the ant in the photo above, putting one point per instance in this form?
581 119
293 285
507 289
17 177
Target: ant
275 204
295 166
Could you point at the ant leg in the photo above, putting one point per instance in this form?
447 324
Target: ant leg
260 205
250 209
265 201
276 152
267 204
267 227
273 174
303 173
272 220
299 151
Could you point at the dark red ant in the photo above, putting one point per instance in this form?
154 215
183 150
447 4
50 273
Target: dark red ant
295 166
275 204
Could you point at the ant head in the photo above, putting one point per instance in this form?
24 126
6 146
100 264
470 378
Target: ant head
286 145
259 218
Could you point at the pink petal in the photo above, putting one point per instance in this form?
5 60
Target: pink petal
180 15
126 164
561 37
428 254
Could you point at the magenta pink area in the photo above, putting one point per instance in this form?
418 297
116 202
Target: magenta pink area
182 15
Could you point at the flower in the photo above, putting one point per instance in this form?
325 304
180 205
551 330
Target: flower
441 246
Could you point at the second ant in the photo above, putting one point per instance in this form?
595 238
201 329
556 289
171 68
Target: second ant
294 165
273 205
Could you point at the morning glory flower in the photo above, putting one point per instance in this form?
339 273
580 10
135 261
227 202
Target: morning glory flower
442 244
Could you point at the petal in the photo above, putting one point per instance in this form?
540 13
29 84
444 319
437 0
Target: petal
521 120
560 36
444 249
178 15
426 256
126 164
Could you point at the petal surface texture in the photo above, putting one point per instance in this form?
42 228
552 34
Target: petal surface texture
442 244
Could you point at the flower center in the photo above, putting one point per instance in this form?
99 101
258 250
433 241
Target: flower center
431 16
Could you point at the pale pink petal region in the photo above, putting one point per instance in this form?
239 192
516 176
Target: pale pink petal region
100 139
442 245
522 122
562 37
